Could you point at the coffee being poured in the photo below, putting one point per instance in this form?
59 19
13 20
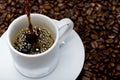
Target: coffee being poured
33 39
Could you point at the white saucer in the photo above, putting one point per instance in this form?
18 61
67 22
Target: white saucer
69 67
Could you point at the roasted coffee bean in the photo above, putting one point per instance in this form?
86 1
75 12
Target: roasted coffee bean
40 1
118 67
94 36
35 8
109 41
94 44
111 65
21 1
85 78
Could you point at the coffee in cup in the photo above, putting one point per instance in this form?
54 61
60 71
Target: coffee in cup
42 41
40 64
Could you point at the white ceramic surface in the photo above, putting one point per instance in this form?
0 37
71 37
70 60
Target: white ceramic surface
69 67
38 65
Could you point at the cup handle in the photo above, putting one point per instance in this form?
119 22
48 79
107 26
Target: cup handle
65 26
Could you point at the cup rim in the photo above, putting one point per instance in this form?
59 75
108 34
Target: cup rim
32 55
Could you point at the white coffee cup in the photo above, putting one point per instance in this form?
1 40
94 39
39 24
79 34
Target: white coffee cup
38 65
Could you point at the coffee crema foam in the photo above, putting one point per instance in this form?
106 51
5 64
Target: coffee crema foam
45 39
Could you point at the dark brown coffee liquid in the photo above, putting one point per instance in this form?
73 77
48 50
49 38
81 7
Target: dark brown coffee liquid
31 37
22 41
27 9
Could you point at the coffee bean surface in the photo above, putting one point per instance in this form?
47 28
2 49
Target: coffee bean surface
96 21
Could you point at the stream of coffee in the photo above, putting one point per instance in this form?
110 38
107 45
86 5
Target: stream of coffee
32 37
27 9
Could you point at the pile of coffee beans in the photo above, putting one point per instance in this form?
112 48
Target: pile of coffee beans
96 21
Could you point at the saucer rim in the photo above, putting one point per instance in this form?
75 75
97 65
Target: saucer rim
75 33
